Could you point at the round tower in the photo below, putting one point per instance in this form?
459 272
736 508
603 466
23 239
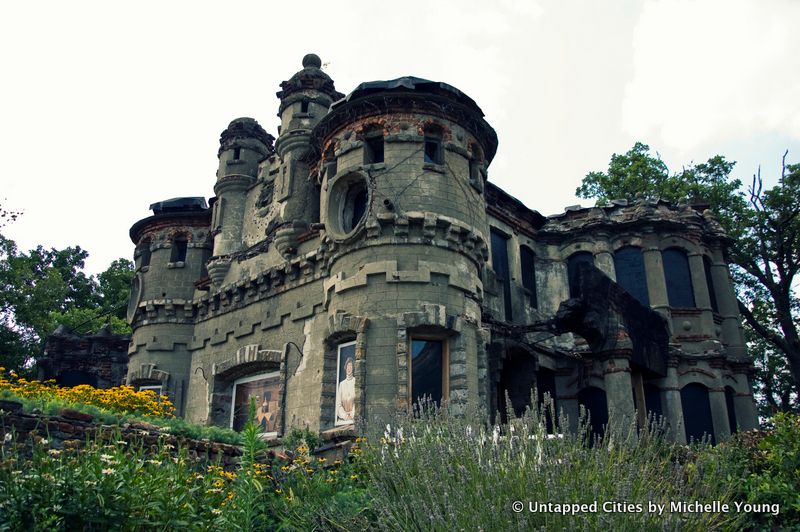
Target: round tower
172 247
242 147
406 234
305 99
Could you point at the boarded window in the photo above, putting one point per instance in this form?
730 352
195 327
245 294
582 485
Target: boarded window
179 247
629 265
501 269
678 277
696 412
594 401
712 293
527 262
573 263
428 370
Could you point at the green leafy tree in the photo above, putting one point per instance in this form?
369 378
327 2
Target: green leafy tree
46 287
765 254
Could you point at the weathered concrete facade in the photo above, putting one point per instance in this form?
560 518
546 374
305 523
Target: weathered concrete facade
362 259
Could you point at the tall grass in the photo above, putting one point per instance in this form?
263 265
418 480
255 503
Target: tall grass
439 472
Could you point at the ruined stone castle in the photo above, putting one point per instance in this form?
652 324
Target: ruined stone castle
362 261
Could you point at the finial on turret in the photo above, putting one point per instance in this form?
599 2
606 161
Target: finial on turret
312 60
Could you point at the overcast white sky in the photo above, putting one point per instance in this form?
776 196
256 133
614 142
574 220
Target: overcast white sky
107 107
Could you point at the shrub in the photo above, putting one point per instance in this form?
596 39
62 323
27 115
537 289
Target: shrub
120 399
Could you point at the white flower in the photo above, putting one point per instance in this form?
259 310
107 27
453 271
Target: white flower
108 471
7 437
216 511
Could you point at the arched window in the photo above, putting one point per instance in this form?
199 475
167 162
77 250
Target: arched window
629 265
501 269
594 401
179 246
527 261
730 393
712 293
652 400
678 277
573 262
696 412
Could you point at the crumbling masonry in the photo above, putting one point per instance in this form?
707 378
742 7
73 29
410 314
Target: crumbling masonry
362 260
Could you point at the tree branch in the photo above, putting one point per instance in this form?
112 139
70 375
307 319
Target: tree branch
775 339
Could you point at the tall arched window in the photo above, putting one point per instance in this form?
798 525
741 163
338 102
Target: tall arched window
678 277
730 393
629 265
696 412
528 267
501 269
573 262
712 294
594 401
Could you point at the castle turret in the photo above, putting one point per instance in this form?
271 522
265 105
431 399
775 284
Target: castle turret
305 99
172 247
242 147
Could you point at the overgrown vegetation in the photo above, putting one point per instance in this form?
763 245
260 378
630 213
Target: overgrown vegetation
429 472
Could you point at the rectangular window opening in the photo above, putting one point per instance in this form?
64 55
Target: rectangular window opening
373 150
304 106
237 152
263 389
345 384
429 371
433 151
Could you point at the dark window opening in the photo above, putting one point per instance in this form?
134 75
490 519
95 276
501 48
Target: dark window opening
237 152
696 412
573 263
594 401
712 295
629 265
304 106
355 206
433 150
678 277
333 167
373 150
652 401
428 375
179 247
527 261
144 260
501 269
729 395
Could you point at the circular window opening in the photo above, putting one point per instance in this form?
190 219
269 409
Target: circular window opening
348 204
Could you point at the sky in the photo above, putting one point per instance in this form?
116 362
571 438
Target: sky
107 107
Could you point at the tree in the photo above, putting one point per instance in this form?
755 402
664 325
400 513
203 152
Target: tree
765 254
46 287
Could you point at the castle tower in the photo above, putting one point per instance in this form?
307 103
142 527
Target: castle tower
406 233
305 99
242 147
172 247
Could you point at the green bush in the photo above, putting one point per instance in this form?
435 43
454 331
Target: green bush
766 471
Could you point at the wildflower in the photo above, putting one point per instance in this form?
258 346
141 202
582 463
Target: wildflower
7 437
121 442
107 471
216 511
321 460
54 452
353 477
44 441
